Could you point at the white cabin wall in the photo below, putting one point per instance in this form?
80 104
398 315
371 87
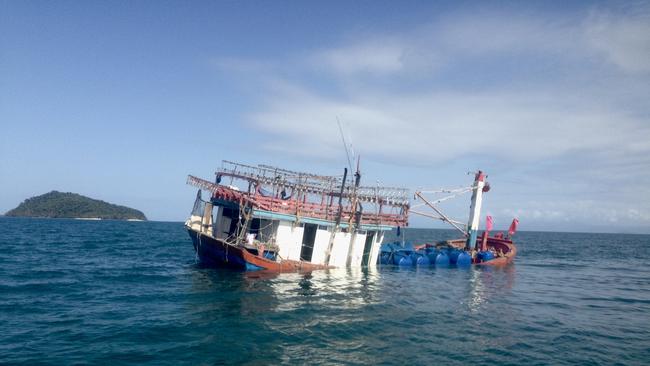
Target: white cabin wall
207 219
296 243
320 246
376 246
340 248
289 240
356 254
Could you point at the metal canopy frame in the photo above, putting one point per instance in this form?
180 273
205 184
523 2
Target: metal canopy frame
308 195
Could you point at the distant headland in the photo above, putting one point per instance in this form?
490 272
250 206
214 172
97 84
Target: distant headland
73 206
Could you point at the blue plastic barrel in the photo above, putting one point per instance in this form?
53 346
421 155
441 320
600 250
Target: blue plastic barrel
442 259
414 257
385 258
402 258
485 256
405 261
464 259
453 256
432 254
423 260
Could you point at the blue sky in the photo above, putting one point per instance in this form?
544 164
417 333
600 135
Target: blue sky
121 100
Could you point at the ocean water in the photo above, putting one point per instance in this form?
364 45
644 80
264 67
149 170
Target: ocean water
86 292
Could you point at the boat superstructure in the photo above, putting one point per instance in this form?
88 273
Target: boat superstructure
268 218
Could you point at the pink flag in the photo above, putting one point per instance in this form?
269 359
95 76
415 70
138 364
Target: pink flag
488 223
513 227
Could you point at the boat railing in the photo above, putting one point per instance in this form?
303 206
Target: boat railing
270 173
324 210
312 183
383 195
318 210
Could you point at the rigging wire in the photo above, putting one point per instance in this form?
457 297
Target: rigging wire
345 145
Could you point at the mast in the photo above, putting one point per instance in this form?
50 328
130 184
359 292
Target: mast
475 209
337 224
355 217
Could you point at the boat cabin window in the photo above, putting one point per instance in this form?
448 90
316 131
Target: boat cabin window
263 229
226 221
308 239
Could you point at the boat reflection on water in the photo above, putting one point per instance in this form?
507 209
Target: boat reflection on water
332 315
334 289
347 288
268 291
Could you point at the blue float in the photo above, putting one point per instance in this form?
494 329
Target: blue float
432 254
464 259
423 260
441 259
405 261
414 257
402 258
453 255
485 256
396 254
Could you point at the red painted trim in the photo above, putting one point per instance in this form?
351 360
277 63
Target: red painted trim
284 265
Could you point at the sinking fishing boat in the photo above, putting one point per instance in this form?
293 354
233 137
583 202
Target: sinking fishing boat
471 249
268 218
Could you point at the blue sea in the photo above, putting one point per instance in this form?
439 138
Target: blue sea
111 292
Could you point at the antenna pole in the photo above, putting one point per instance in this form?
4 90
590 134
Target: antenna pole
345 145
337 223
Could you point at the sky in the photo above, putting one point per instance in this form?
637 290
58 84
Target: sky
121 100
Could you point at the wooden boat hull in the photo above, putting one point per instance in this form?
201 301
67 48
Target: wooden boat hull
217 253
506 247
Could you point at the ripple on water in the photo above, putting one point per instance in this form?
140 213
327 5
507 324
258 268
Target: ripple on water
115 292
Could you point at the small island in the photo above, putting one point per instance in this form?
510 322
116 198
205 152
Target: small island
73 206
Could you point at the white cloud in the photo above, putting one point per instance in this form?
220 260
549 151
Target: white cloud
563 100
494 32
625 40
505 125
594 212
371 57
542 116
